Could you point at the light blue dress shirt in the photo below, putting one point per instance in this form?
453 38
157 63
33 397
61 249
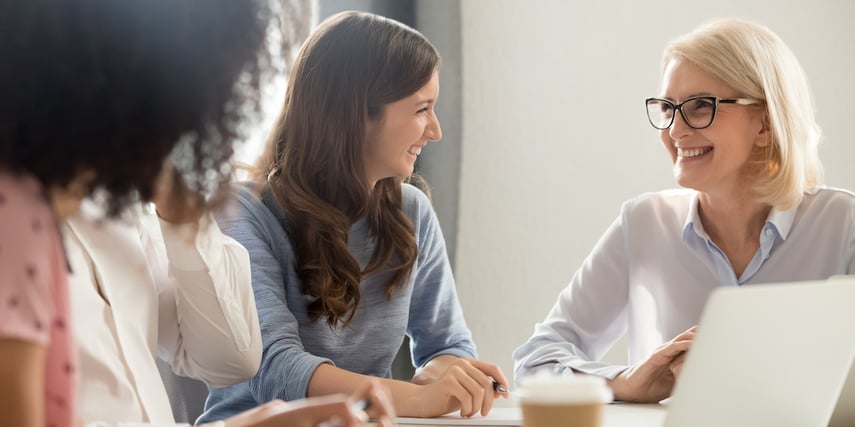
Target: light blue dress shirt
650 275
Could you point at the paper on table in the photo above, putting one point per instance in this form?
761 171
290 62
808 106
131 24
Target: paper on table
496 417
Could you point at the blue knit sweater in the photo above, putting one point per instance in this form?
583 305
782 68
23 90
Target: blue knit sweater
426 309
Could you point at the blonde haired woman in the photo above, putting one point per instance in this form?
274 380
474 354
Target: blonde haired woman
735 115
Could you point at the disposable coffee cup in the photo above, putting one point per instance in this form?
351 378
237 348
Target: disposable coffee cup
563 401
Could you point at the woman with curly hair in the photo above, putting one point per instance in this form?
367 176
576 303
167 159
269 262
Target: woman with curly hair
346 258
96 95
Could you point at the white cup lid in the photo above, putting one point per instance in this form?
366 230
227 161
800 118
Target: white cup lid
552 389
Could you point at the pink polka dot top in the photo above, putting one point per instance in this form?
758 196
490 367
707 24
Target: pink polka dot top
34 304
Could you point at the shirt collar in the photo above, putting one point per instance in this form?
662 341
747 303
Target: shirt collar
693 220
780 220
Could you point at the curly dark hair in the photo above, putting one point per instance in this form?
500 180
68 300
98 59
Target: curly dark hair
347 71
112 87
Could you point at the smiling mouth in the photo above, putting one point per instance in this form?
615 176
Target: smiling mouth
415 151
688 153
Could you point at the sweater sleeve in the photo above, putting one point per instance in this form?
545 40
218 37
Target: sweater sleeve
286 367
436 325
588 318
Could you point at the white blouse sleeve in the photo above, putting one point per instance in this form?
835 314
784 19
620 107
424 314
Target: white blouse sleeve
589 316
208 324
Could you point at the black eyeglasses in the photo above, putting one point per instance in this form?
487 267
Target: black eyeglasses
698 111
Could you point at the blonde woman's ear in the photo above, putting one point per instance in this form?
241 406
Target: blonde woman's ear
764 137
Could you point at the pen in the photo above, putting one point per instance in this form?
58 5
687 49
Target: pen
499 388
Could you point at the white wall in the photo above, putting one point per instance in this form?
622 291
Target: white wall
555 136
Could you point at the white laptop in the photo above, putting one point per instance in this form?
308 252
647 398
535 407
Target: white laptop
771 355
844 413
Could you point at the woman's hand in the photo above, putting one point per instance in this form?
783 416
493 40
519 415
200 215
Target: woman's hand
379 404
451 383
677 365
653 379
334 411
174 202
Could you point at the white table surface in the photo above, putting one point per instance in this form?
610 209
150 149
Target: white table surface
614 415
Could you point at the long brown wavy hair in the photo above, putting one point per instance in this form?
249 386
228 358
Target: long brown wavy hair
349 68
